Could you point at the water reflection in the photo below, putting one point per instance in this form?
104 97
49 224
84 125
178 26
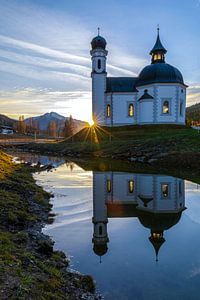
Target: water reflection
134 211
156 200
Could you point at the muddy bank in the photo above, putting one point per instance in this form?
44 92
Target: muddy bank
30 268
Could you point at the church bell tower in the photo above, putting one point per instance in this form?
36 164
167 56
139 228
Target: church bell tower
98 75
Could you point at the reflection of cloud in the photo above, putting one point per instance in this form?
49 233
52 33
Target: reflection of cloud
194 272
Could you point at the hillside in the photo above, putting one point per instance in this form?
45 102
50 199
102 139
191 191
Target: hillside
4 120
193 112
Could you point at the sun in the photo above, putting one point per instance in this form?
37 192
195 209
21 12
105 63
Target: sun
91 122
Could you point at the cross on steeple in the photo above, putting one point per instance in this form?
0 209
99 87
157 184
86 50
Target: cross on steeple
98 31
158 28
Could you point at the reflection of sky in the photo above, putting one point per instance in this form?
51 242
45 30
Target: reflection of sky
128 270
193 201
44 48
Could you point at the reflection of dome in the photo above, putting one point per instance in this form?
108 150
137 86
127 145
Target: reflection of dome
157 240
159 73
159 221
98 42
100 249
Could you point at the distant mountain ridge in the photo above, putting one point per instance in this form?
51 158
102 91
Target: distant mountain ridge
193 112
44 121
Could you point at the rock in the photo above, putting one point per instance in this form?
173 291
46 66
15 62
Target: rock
152 161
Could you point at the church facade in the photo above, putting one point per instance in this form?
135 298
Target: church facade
156 96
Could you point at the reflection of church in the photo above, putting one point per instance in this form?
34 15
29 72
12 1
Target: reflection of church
156 200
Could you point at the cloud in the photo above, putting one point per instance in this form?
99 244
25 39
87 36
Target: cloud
193 94
22 101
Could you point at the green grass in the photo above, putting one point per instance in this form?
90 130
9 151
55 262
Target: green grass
127 140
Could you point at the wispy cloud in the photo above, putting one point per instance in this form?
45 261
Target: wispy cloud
43 100
193 96
41 47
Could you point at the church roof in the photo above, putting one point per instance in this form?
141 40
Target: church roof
159 73
159 221
146 95
100 249
121 84
158 46
98 42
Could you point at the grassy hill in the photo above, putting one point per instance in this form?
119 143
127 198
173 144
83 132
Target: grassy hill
165 146
193 112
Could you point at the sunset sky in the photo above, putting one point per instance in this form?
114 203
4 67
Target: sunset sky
45 63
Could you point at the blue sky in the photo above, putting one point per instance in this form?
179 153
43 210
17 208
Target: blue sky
44 48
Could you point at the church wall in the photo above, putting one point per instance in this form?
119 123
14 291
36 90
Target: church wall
120 104
98 97
121 192
172 202
145 185
99 196
166 93
145 111
181 95
150 185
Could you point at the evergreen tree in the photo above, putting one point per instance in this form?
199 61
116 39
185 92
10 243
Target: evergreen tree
68 129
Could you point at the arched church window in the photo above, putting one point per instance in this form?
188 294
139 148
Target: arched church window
99 64
165 108
131 110
165 190
100 230
108 110
109 186
181 108
131 186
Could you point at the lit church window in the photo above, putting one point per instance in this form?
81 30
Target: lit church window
131 110
109 186
165 108
108 110
99 64
165 190
131 186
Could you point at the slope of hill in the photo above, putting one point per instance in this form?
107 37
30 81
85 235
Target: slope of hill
193 112
4 120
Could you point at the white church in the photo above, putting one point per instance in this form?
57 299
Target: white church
156 96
